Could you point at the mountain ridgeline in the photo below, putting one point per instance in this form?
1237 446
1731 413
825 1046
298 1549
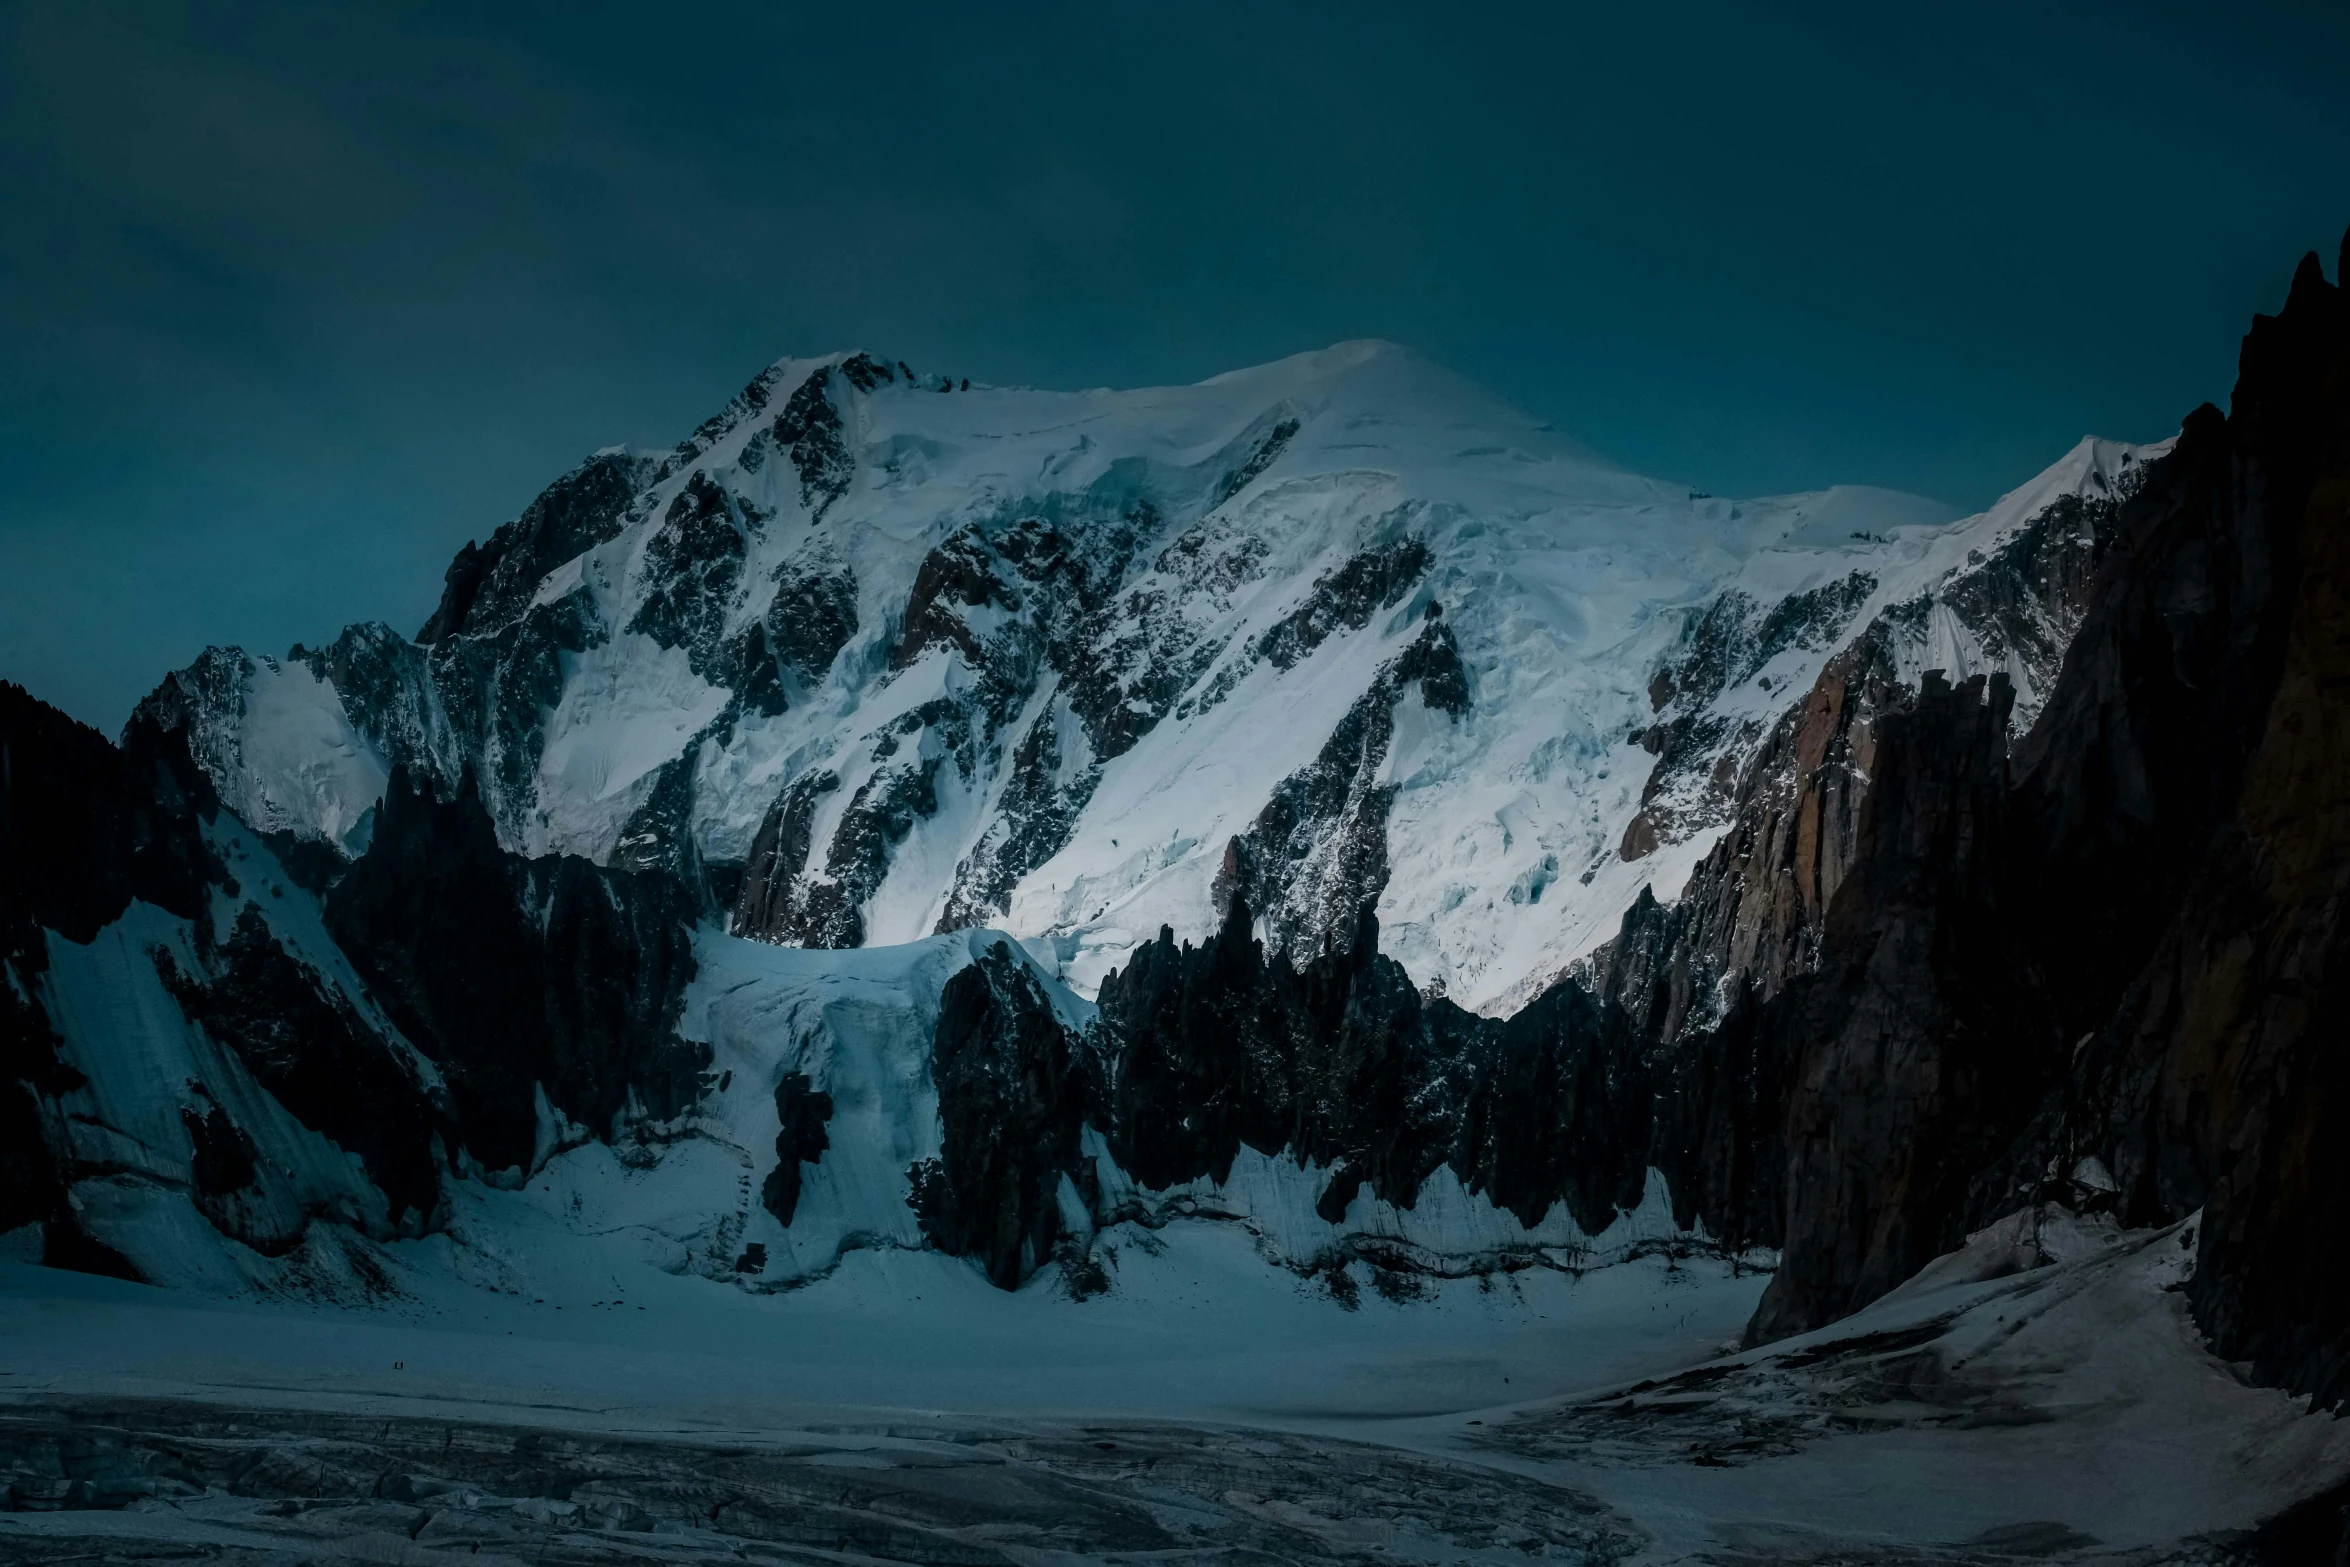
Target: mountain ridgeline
2015 850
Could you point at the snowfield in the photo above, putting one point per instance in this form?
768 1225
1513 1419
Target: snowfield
2062 1411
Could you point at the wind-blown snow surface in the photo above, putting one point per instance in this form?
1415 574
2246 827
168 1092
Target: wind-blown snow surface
1035 659
2039 1395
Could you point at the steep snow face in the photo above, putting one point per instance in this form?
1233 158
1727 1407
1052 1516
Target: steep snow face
875 655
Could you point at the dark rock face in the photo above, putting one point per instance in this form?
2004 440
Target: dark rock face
750 400
497 691
811 620
1013 1093
385 682
1267 453
2143 746
1345 600
958 574
2249 1002
2025 603
2215 1081
1753 909
1720 1136
1342 1063
1321 842
507 973
1037 814
1921 980
658 837
224 1153
84 829
864 372
803 1109
826 908
1695 782
512 974
1707 980
476 688
305 1043
2021 603
1125 665
1736 637
693 564
1904 1058
809 431
2127 952
1081 620
490 585
768 905
1433 663
1020 600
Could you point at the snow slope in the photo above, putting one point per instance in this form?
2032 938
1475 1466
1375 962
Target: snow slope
2042 1391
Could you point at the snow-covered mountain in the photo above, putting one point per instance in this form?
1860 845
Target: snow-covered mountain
875 655
1309 833
1340 646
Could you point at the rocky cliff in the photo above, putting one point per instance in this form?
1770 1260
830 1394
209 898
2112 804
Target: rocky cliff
2098 969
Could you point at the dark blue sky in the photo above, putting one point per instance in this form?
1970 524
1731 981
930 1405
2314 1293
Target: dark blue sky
295 300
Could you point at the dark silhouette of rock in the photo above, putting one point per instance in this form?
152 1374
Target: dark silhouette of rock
1904 1064
1339 1061
309 1047
2129 953
514 974
801 1109
1013 1094
489 585
85 827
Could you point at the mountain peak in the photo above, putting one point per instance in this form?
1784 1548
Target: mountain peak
884 656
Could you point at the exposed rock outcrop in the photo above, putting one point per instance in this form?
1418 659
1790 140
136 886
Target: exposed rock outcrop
308 1046
1341 1063
801 1110
85 828
1903 1061
2127 955
536 985
1014 1091
490 585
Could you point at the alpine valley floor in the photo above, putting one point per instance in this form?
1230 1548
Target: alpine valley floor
2041 1395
